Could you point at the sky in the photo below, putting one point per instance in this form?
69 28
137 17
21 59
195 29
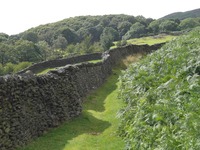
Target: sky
19 15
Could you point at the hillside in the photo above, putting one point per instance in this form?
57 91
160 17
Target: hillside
162 98
183 15
71 36
81 35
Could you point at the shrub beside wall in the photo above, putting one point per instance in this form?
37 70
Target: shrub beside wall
30 104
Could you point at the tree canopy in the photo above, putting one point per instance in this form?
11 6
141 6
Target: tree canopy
83 34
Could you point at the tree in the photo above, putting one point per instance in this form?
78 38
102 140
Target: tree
45 50
114 22
95 33
168 25
47 34
60 43
27 51
189 23
30 36
107 38
104 21
121 43
136 30
85 45
154 26
123 27
3 37
4 53
70 35
71 49
142 20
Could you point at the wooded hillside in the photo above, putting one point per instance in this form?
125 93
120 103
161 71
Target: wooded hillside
183 15
81 35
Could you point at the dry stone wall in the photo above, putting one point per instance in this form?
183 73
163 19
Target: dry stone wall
61 62
30 104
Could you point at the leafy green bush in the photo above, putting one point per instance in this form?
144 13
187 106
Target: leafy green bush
9 68
162 98
21 66
13 68
1 70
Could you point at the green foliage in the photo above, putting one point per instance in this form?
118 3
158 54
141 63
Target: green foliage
121 43
107 38
21 66
123 27
60 43
55 40
70 35
168 25
136 30
154 26
30 36
46 52
86 44
4 53
3 37
10 68
27 51
85 47
162 98
189 23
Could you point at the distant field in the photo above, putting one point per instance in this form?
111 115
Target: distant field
150 40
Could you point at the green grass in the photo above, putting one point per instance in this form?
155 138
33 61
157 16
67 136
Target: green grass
45 71
95 61
150 40
95 129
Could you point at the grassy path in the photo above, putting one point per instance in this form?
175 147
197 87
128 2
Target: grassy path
95 129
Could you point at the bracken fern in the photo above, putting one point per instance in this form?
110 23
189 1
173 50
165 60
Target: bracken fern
162 95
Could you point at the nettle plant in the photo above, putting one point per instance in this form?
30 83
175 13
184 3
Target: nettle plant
162 96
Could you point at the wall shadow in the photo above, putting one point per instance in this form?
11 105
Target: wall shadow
95 101
57 138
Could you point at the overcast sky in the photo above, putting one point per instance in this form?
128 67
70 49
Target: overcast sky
19 15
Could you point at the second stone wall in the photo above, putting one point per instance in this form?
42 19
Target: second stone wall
35 68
